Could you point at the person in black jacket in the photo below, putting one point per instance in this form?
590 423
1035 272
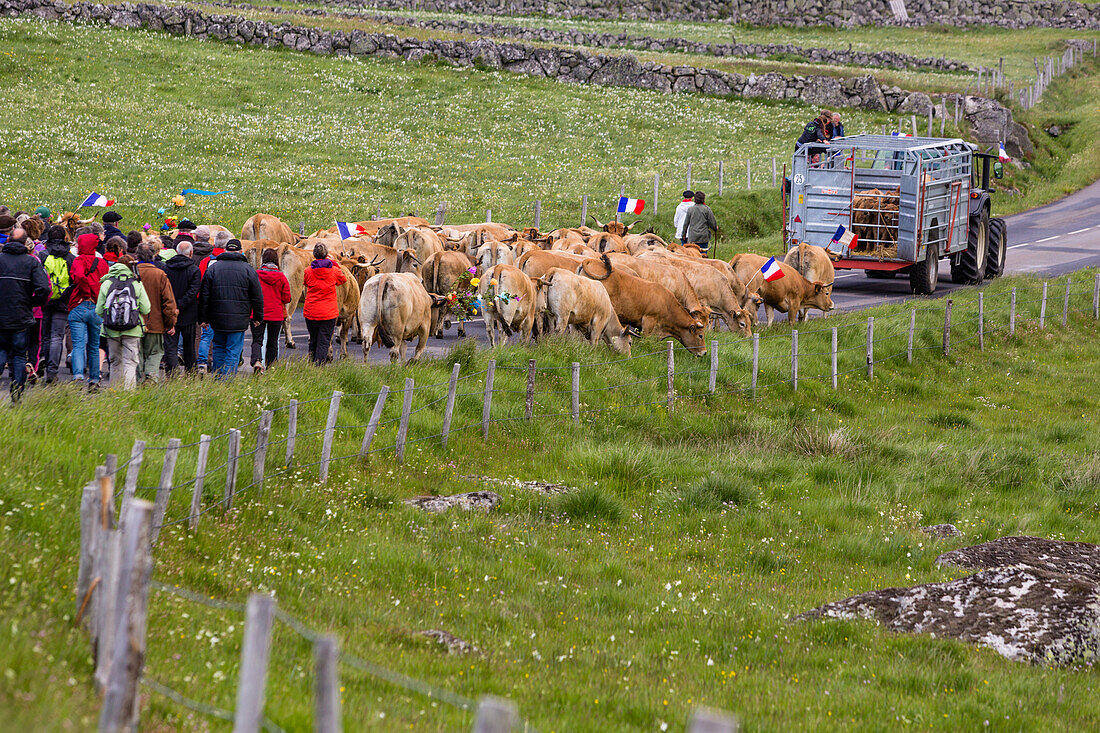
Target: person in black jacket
183 274
230 293
57 259
816 135
110 228
23 285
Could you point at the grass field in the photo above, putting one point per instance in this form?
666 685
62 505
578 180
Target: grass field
666 580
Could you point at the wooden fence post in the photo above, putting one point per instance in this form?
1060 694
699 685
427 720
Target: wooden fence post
330 433
90 510
326 685
164 488
671 374
1043 309
755 361
120 704
947 329
914 120
1012 314
775 173
711 721
372 424
871 347
688 176
255 652
748 175
1065 304
487 400
450 408
712 383
529 401
403 426
981 321
234 454
584 209
721 176
794 360
259 458
929 123
1096 285
495 715
106 614
488 216
832 358
440 213
200 479
912 328
575 397
656 190
538 213
137 456
291 431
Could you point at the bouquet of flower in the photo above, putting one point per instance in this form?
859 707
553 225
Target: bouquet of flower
463 302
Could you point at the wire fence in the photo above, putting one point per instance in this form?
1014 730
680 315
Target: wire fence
775 363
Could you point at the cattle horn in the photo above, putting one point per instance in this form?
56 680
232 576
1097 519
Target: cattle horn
632 225
633 332
599 224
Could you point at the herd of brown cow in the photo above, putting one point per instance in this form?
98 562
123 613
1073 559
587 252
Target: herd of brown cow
607 283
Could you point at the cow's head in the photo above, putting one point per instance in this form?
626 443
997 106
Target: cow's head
407 261
388 234
692 338
364 270
530 233
72 221
622 342
822 297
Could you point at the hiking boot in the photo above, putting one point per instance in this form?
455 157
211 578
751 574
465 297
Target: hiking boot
93 387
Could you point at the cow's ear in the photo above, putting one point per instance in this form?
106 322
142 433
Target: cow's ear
818 287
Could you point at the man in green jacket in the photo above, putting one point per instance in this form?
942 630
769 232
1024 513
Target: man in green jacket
122 303
698 224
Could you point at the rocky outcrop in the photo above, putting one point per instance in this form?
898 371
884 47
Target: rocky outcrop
473 500
1038 602
990 122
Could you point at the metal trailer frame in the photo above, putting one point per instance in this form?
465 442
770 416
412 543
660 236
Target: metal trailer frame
925 188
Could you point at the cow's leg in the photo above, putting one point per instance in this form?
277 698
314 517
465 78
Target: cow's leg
462 326
596 328
770 313
793 310
489 335
367 334
421 344
437 318
287 335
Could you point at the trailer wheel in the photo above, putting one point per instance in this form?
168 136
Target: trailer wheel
969 267
924 276
998 248
881 274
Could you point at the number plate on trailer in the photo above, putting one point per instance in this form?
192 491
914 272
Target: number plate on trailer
829 191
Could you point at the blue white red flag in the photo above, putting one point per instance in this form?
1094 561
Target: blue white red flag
771 270
1002 154
901 134
630 206
844 237
347 231
95 199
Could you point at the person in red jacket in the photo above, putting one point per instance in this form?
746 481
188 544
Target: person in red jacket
84 324
322 307
276 290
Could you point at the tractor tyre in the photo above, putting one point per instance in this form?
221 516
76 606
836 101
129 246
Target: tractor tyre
924 276
969 266
998 248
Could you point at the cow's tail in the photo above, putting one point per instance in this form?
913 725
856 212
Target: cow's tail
607 264
801 265
249 231
383 335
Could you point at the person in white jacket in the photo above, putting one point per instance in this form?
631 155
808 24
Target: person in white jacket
681 214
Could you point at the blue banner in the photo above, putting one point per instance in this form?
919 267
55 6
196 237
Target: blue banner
186 191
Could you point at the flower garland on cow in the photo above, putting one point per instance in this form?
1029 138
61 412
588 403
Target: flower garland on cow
463 302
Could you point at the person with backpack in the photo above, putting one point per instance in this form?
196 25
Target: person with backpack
161 319
84 324
276 289
57 260
230 293
23 285
122 303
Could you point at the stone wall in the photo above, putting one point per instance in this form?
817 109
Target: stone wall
570 65
839 13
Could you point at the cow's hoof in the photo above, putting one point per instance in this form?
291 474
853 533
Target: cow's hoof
292 346
446 323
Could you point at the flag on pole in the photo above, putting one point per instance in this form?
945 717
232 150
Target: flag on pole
1002 154
95 199
901 134
630 206
771 270
844 237
346 230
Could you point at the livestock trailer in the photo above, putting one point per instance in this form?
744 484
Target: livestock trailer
889 204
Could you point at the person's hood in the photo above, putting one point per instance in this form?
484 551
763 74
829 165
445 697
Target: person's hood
14 248
180 262
203 249
231 257
57 247
119 271
86 244
318 264
269 274
166 254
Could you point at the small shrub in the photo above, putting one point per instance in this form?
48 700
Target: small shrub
589 504
714 491
951 420
814 441
1082 475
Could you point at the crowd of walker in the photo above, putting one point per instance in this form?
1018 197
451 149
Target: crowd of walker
120 307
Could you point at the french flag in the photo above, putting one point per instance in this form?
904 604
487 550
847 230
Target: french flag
347 231
1002 154
95 199
631 206
771 270
844 237
901 134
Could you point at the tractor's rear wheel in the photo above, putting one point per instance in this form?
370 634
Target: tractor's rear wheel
881 274
924 276
969 266
998 248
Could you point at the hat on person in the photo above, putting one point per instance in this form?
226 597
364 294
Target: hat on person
111 217
233 245
186 225
44 212
689 194
6 222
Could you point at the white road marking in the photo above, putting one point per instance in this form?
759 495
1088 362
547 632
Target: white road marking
1017 246
1082 230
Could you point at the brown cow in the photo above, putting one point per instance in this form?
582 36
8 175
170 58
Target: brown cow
439 273
574 300
423 241
71 221
397 308
266 226
347 298
617 228
494 253
535 264
566 238
814 264
509 298
646 305
669 276
788 294
717 292
637 243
